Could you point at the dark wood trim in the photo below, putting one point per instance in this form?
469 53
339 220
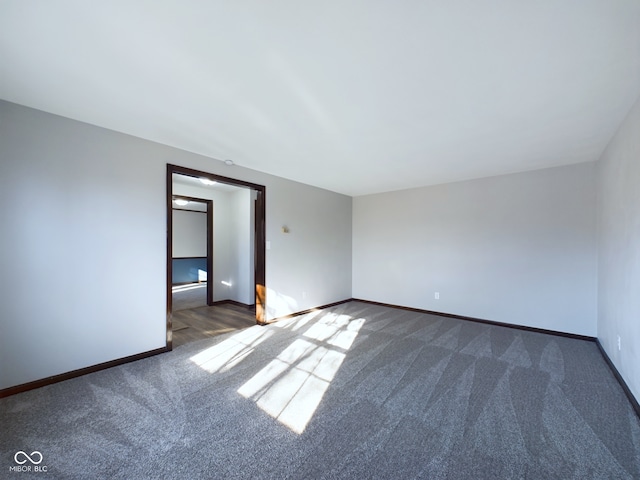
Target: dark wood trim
191 199
259 257
259 241
623 384
190 172
187 210
78 373
309 310
480 320
234 302
210 252
169 279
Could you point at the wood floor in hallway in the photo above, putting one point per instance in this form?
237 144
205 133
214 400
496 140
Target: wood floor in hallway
203 322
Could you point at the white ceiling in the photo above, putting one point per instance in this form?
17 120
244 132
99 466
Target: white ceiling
353 96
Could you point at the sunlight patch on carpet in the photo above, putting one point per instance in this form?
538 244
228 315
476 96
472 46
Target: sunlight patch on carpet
336 330
296 323
292 385
229 353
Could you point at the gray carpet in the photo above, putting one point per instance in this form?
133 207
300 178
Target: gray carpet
355 391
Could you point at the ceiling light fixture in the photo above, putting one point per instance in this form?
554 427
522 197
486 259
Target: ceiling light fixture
207 181
181 202
228 162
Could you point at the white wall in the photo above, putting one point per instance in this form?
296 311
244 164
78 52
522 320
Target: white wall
83 211
189 234
518 249
318 233
619 250
243 230
83 263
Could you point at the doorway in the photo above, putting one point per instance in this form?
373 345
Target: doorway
257 232
192 252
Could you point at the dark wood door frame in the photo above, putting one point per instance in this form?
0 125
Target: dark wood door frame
260 236
209 213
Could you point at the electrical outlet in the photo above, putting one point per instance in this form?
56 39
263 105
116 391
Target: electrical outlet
436 295
619 344
304 294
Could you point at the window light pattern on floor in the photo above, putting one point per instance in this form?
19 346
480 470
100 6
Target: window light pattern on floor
292 385
232 351
188 286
